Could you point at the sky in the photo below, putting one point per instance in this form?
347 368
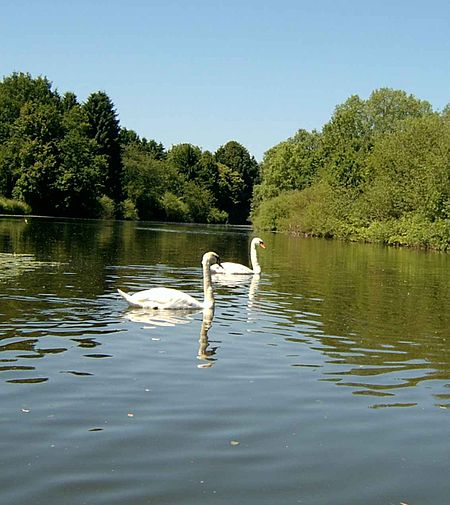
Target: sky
209 71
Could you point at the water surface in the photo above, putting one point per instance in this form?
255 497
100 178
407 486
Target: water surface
324 380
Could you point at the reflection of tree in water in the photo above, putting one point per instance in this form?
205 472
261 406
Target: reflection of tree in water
381 317
12 265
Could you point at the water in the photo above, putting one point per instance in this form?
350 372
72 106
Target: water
324 381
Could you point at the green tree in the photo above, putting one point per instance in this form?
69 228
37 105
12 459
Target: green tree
410 171
346 142
15 91
35 140
386 107
229 190
146 180
105 130
289 165
69 101
151 147
81 168
238 160
185 158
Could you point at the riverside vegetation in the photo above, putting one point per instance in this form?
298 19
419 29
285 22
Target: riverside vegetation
378 171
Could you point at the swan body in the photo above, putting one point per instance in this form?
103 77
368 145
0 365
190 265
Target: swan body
230 268
170 299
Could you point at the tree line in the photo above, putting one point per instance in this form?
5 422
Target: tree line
60 157
379 169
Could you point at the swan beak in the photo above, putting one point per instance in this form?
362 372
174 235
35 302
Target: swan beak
262 244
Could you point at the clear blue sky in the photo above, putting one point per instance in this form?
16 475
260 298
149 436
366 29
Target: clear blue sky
210 71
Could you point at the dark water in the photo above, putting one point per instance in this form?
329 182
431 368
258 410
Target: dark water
325 381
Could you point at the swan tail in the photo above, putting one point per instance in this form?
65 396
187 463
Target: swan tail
127 298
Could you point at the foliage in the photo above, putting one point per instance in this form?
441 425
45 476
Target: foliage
379 170
289 165
383 175
185 158
81 168
10 206
129 210
174 207
107 207
15 91
104 128
241 165
60 157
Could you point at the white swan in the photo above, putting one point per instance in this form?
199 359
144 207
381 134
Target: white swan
168 298
238 269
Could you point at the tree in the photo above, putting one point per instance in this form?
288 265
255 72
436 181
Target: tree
151 147
386 107
292 164
104 129
69 101
409 171
207 173
17 90
185 158
238 160
146 179
345 142
229 188
81 168
35 140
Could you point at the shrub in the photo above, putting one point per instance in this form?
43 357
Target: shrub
106 207
10 206
217 216
175 209
129 210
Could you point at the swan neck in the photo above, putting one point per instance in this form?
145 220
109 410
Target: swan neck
207 286
254 259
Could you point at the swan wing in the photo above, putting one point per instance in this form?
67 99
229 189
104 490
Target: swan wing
161 298
231 268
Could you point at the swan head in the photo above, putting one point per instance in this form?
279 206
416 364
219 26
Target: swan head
211 258
260 242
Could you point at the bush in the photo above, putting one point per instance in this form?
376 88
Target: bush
217 216
10 206
129 210
274 214
175 209
106 207
318 210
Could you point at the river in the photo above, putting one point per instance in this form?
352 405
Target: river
325 380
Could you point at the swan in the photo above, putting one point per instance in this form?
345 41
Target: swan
238 269
168 298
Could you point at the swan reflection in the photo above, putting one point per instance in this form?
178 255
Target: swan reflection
161 318
206 353
237 281
252 290
154 318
